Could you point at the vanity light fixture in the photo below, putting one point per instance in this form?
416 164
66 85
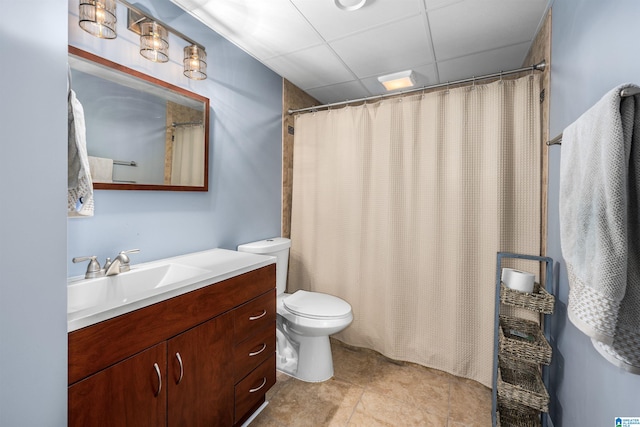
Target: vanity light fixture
98 18
195 62
154 44
400 80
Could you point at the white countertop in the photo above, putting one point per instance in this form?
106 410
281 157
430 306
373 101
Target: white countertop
211 266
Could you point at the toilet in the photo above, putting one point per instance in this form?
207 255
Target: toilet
304 320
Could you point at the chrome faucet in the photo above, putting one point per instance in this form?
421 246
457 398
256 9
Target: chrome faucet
120 263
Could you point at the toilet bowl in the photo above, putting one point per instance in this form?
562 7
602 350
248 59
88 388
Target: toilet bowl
304 320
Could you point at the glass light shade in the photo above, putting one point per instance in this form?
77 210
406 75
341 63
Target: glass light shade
98 18
153 42
195 62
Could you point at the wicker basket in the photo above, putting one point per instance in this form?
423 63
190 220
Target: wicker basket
520 382
517 416
533 349
539 300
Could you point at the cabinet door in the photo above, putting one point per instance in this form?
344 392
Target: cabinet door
200 369
130 393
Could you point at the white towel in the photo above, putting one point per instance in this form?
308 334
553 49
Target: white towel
79 187
599 225
101 169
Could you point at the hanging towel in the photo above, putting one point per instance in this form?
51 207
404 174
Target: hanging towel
101 169
599 225
79 185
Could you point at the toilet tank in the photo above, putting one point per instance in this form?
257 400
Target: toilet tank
277 247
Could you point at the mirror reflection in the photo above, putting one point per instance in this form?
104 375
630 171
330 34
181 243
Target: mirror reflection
142 133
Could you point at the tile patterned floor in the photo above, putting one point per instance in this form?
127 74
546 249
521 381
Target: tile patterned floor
369 390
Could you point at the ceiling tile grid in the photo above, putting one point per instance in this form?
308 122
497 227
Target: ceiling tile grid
336 55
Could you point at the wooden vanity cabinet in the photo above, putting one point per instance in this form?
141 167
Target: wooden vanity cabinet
175 363
199 377
126 394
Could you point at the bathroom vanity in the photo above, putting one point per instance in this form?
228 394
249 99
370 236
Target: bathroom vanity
200 354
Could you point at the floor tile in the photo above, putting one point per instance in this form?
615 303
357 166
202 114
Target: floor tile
418 387
375 409
370 390
354 365
300 404
470 403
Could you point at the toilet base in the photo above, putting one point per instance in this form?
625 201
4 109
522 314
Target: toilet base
315 362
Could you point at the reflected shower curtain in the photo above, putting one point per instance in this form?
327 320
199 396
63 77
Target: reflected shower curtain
400 207
187 164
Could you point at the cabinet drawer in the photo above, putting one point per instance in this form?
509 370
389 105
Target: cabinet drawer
255 315
252 389
253 351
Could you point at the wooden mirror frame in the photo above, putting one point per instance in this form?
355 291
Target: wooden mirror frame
152 80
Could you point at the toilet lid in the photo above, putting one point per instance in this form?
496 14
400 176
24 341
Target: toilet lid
316 305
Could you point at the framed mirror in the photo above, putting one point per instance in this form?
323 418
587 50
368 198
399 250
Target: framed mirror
142 133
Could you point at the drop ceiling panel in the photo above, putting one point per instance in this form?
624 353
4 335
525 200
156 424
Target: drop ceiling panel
339 92
335 54
488 62
263 28
393 47
309 68
472 26
333 23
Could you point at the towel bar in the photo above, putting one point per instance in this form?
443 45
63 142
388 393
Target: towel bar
124 163
627 91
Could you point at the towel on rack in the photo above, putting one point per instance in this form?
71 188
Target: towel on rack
101 169
600 227
79 184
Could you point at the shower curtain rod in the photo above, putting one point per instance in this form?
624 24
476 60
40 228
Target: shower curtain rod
628 91
537 67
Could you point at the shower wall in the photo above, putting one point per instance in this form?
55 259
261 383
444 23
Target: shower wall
292 99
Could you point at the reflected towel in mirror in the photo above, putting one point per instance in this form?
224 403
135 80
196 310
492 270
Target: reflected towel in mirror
101 169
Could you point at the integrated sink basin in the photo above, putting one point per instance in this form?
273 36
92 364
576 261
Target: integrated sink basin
93 300
124 286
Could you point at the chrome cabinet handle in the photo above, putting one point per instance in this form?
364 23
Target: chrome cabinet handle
255 353
264 313
181 367
157 368
264 381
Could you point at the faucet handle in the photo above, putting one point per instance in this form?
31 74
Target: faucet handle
124 259
93 269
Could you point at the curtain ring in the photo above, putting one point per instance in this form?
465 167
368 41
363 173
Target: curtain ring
447 91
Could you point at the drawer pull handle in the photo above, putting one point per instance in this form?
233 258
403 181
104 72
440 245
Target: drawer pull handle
181 367
264 381
255 353
261 315
157 368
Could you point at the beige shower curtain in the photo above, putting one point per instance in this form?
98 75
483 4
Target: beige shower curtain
400 207
187 163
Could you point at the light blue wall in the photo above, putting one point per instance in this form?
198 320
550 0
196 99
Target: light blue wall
594 48
243 202
33 177
37 240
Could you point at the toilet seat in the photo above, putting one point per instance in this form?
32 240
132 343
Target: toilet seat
315 305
